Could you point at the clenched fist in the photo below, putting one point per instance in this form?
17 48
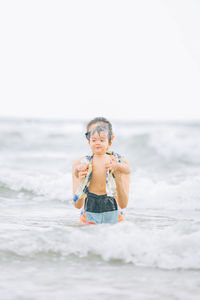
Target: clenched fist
81 171
113 166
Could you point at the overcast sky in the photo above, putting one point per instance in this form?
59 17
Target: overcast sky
136 60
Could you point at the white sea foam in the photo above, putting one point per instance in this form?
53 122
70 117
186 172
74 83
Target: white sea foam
144 192
169 248
53 186
170 141
162 194
177 144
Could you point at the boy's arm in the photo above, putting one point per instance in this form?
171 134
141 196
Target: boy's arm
76 182
123 183
115 167
122 187
124 167
121 172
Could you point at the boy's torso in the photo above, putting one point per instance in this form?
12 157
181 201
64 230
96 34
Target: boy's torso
98 181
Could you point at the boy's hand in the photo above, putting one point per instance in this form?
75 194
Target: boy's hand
82 170
113 166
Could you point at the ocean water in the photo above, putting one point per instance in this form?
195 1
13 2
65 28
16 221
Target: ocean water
45 253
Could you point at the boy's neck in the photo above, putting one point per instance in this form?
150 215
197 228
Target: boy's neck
102 154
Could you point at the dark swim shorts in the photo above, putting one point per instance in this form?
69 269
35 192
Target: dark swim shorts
101 209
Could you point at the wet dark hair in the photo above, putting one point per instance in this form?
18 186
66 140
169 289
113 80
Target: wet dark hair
105 123
99 129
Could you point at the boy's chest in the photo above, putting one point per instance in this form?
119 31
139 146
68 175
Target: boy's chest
99 166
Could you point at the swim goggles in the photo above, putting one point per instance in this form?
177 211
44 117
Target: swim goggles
87 134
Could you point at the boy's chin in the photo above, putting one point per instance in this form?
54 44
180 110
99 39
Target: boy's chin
99 151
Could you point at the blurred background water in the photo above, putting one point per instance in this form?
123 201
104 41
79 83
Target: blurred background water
45 253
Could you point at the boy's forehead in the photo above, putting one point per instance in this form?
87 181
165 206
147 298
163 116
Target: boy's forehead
102 133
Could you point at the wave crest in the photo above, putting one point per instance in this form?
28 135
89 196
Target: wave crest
170 248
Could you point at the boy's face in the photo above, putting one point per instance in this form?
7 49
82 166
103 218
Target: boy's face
99 142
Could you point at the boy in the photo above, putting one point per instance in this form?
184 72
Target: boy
101 181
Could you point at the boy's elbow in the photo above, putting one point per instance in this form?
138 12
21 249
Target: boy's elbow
122 206
77 205
128 169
